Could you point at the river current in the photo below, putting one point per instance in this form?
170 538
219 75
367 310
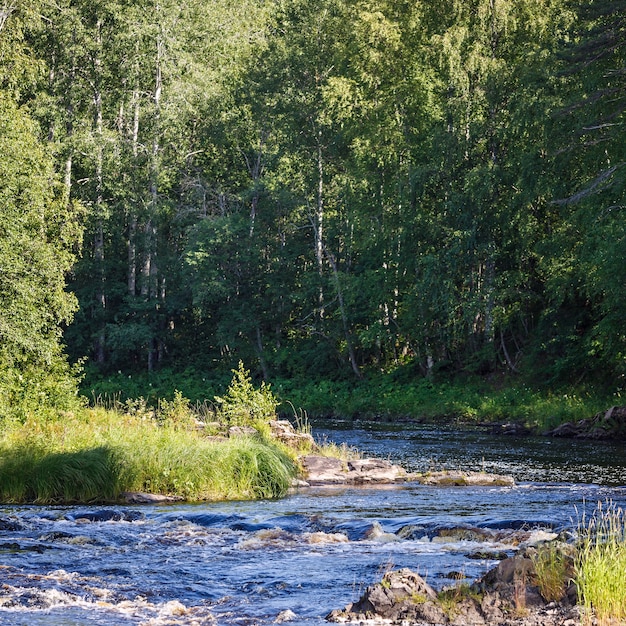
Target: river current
297 558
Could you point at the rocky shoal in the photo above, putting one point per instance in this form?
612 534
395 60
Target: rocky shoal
506 596
321 470
609 425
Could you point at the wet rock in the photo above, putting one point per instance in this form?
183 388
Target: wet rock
106 515
463 533
413 532
458 478
8 524
487 555
321 470
56 536
374 471
12 546
505 596
139 497
285 616
402 595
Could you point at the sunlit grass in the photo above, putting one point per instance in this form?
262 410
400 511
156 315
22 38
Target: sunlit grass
98 454
550 563
601 565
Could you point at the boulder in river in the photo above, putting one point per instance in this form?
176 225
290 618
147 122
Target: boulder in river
321 470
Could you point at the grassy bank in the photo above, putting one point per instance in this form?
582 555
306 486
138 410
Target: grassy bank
462 401
98 454
393 396
95 454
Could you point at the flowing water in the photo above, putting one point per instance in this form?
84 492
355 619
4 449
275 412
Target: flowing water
313 551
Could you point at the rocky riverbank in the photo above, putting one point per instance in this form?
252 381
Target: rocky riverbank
609 425
508 595
605 425
322 470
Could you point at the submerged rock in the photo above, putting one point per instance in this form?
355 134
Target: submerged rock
458 478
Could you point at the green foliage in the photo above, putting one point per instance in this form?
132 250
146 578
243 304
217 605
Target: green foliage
38 234
449 599
269 182
601 564
398 394
243 405
177 412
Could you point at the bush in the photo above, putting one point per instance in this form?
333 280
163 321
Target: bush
243 405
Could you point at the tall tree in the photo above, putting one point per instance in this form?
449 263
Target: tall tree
38 236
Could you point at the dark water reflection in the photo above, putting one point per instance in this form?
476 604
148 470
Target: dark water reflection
246 562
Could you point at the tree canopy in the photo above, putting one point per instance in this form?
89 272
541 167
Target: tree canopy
317 189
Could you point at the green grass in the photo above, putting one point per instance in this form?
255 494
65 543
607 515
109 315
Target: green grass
550 564
468 400
97 454
601 565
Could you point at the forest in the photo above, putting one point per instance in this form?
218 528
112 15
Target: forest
322 190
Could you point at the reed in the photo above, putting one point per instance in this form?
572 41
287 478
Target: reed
97 454
601 565
550 564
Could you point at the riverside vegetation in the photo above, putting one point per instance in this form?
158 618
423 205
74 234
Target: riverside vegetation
95 454
267 181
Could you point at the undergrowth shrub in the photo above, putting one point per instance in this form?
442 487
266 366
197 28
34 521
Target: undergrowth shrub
242 404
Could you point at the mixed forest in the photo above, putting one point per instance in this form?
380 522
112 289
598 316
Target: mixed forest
319 189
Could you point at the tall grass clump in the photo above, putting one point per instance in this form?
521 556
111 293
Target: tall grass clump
96 454
551 567
601 565
173 462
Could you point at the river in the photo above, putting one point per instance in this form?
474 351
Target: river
249 563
